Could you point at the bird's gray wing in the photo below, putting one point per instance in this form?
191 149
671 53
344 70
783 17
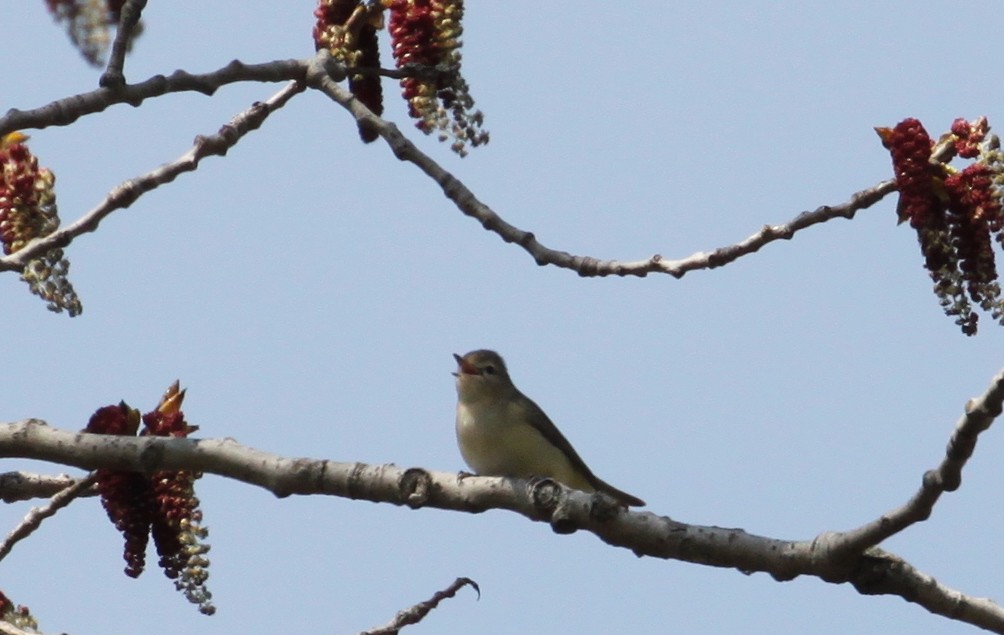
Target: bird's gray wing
544 425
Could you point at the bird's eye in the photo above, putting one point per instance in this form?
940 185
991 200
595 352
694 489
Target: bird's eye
489 370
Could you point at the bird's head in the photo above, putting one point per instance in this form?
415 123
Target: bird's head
481 374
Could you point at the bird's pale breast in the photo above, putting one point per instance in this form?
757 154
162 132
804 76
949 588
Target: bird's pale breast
497 441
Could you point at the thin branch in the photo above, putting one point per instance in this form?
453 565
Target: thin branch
23 486
417 613
588 266
724 255
979 414
421 71
126 193
542 500
129 15
65 111
33 520
468 203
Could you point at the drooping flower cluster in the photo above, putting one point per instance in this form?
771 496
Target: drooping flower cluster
427 33
163 504
18 616
425 38
957 213
124 495
27 211
88 23
348 30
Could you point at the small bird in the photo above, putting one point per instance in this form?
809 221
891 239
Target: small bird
502 432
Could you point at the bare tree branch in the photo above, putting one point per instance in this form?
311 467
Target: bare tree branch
644 533
22 486
128 19
588 266
323 73
979 414
882 573
126 193
63 112
417 613
469 204
33 520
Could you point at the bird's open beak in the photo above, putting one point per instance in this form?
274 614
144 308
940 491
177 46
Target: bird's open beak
464 366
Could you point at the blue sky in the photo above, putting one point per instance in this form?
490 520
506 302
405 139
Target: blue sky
309 291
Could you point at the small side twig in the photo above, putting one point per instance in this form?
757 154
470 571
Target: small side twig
421 71
23 486
417 613
126 193
979 414
34 518
113 77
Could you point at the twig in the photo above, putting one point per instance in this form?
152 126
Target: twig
724 255
126 193
65 111
979 414
417 613
129 15
34 518
421 71
22 486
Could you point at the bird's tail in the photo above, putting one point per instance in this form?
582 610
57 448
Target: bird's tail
621 496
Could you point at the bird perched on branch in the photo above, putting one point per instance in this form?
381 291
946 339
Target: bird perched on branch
502 432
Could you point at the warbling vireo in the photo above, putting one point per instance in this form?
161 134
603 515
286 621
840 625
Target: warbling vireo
502 432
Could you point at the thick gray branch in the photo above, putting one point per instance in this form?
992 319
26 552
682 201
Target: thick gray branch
644 533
